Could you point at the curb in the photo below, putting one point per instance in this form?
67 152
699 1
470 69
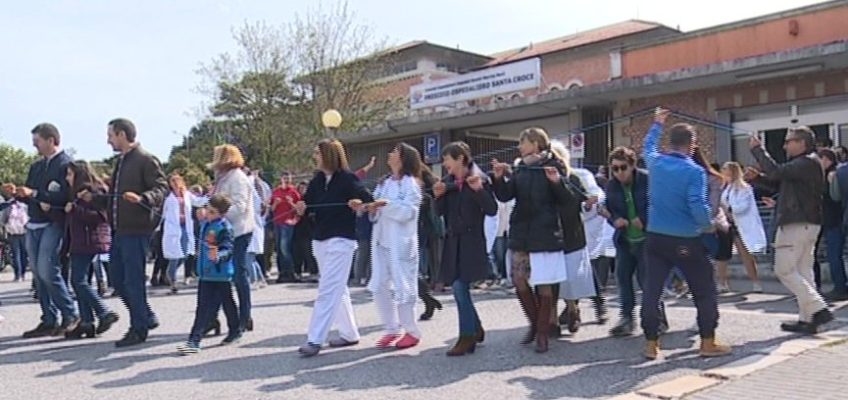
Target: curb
688 385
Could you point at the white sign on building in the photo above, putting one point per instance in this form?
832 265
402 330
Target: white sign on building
506 78
577 145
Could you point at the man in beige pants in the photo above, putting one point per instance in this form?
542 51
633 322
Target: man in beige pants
799 218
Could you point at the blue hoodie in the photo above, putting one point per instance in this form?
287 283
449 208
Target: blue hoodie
677 191
218 232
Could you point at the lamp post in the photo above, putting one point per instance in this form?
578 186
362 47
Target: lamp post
332 120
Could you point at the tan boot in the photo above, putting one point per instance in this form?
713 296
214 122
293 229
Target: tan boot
652 349
712 348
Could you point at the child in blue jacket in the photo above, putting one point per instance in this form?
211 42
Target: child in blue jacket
215 270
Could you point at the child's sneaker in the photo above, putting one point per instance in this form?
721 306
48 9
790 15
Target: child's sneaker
188 348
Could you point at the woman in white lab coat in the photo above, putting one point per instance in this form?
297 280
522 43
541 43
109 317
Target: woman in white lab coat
746 227
394 248
177 227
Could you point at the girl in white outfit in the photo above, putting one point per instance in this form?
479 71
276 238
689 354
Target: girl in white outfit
394 248
747 231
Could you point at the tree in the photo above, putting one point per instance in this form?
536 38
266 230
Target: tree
270 94
14 164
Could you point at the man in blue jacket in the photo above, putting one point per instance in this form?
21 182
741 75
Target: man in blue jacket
46 192
678 213
627 203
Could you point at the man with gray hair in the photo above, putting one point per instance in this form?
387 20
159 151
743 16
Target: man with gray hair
799 219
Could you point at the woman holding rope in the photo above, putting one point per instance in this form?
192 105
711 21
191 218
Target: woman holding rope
334 193
536 236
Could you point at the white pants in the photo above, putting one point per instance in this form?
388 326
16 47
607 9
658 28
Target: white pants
397 310
793 264
334 257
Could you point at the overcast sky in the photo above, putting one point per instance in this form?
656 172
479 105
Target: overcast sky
80 63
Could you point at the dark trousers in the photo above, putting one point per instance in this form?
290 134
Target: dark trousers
662 253
128 259
304 260
241 280
210 297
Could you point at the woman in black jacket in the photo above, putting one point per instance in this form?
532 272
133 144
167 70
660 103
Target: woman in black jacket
536 235
464 198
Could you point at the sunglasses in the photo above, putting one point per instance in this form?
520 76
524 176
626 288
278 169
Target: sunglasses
618 168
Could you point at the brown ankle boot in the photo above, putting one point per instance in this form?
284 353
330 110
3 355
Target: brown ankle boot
528 304
652 349
543 323
465 345
712 348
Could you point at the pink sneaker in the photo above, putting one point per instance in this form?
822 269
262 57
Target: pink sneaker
407 341
387 340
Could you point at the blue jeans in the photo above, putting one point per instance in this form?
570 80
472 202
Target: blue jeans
87 298
835 239
499 253
629 261
241 279
17 247
468 318
43 248
127 265
174 264
254 268
285 262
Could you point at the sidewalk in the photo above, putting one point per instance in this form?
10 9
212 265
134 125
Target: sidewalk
816 374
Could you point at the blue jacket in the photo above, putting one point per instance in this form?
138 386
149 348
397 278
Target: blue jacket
677 190
217 233
617 205
48 179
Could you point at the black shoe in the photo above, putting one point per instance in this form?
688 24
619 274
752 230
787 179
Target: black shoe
623 328
822 317
215 326
600 309
42 330
131 339
106 322
799 327
153 323
836 295
83 329
70 324
248 325
231 338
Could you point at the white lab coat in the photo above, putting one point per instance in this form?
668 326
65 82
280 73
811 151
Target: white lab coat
746 216
257 241
593 224
172 232
394 240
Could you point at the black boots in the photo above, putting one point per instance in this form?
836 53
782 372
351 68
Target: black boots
430 302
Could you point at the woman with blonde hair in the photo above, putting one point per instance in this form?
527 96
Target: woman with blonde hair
333 196
232 182
177 228
746 227
537 237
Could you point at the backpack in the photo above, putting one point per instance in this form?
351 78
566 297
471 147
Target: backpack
18 218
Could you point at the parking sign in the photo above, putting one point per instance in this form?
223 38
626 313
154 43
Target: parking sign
432 148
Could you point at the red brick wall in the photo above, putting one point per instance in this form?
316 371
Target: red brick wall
695 102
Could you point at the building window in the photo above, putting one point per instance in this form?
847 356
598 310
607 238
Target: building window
556 87
447 67
516 96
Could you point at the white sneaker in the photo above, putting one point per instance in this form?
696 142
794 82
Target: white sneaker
724 288
758 287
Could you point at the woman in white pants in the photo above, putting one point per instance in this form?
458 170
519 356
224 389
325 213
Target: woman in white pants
394 248
332 197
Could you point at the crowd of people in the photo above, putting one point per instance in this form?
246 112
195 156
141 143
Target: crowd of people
667 221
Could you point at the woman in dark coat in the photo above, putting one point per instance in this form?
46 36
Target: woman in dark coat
464 198
536 235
